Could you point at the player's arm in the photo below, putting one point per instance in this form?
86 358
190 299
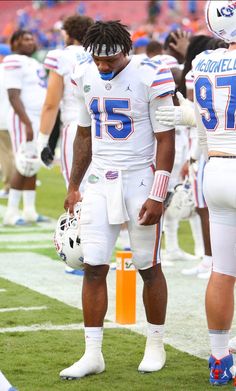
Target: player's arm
50 109
82 155
177 115
19 108
152 209
82 151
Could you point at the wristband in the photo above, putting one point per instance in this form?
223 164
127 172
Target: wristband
160 185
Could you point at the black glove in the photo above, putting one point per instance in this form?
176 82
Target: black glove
47 156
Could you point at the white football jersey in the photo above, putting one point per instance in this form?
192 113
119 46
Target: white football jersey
63 61
189 80
170 61
28 75
215 97
122 133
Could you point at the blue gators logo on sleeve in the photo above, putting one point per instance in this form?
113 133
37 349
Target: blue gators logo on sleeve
149 63
83 58
42 77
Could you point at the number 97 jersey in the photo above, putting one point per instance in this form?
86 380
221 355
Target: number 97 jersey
215 97
122 132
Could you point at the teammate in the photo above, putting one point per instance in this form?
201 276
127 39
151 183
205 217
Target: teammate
6 154
214 93
25 80
61 63
117 133
173 251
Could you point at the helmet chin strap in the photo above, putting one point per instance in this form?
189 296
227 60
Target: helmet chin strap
107 76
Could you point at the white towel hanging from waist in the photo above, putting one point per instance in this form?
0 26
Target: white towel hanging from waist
116 208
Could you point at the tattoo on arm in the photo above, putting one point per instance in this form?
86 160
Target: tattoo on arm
82 155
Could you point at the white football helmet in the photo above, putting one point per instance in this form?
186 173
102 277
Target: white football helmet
182 204
27 160
221 19
67 239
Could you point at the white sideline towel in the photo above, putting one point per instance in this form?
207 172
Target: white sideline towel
4 384
116 209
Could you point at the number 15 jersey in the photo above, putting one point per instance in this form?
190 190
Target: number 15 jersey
119 111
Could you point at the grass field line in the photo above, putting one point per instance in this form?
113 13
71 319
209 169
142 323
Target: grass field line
13 309
51 327
20 230
2 290
25 246
30 237
185 311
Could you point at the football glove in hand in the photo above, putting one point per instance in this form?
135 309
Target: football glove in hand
177 115
47 157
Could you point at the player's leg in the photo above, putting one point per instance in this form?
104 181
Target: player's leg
30 214
220 300
220 192
13 215
155 301
172 250
196 229
6 162
98 239
145 244
203 269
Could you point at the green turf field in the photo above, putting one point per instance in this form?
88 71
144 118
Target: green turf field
40 335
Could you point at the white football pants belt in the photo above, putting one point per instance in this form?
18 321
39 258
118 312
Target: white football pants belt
116 208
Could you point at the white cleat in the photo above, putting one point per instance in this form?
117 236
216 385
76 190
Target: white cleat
13 219
34 217
153 360
197 271
87 365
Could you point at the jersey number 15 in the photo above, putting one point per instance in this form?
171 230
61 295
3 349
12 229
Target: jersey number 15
110 112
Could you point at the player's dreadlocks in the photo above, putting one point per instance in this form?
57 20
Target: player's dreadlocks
111 34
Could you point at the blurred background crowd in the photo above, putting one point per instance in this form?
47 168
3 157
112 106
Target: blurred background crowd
146 18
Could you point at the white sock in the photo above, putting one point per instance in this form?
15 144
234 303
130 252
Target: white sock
93 339
195 223
14 199
219 341
29 200
155 330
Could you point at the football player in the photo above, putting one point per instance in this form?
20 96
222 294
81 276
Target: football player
116 133
214 103
25 80
61 63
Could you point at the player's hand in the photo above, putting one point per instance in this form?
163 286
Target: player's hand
71 200
150 212
44 152
184 170
47 157
29 133
181 41
177 115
